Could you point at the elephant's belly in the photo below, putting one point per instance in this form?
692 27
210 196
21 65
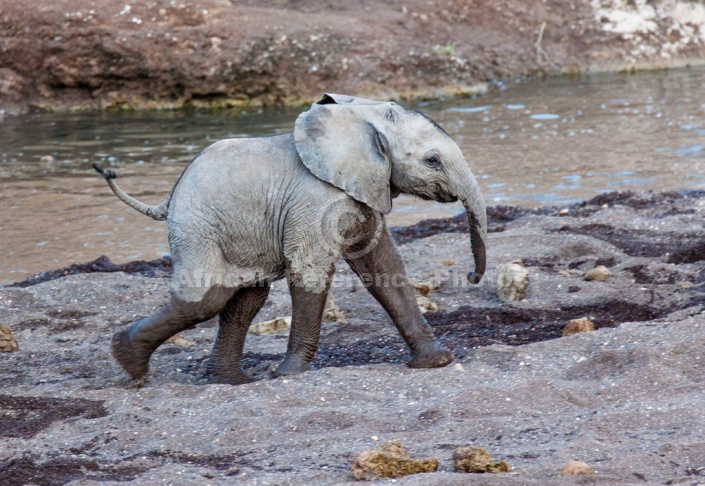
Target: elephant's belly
232 254
249 257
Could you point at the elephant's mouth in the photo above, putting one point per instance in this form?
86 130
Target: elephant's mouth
424 190
438 197
447 198
434 193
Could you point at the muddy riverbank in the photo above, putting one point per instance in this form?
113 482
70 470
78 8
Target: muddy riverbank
77 55
627 398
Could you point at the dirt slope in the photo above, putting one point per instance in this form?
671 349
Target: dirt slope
74 54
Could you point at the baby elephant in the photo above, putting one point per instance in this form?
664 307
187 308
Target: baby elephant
247 212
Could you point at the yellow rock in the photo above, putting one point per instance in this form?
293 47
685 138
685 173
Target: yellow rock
426 304
275 326
598 274
8 343
390 460
333 312
576 468
422 291
424 288
180 341
473 459
576 326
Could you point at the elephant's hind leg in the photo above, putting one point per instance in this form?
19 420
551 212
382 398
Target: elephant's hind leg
307 313
133 347
225 365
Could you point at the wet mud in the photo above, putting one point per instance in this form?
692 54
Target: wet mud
26 416
161 267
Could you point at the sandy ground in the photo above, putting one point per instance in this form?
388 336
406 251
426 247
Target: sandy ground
628 399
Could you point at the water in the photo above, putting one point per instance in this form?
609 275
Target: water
555 141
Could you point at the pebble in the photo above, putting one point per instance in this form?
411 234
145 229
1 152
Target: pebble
275 326
512 281
576 468
598 274
8 343
474 459
576 326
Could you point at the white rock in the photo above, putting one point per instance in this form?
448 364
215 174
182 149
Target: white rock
512 281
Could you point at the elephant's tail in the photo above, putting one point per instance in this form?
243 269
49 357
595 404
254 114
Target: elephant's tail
155 212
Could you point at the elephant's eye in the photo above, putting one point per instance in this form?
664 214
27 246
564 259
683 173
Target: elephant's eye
433 161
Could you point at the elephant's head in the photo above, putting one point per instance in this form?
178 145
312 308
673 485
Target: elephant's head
376 150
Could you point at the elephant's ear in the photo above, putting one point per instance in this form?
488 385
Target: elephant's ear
343 145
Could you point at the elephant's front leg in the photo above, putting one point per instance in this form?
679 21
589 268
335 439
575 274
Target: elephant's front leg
308 303
225 365
381 269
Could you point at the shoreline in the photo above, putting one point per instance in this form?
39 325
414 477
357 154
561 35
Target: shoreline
433 94
497 218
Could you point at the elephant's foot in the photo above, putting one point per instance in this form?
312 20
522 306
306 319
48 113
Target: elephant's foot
292 365
226 372
133 359
236 378
432 355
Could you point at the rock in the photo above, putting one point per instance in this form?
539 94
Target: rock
390 460
333 312
180 341
576 326
275 326
47 159
576 468
598 274
447 262
425 288
474 459
8 344
422 291
512 281
426 304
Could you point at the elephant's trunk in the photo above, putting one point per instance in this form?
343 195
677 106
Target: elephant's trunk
468 192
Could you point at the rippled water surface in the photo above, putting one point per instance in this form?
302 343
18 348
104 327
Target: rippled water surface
552 141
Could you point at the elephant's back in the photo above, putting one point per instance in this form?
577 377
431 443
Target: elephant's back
226 210
231 170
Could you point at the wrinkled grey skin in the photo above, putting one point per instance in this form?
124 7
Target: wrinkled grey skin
247 212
